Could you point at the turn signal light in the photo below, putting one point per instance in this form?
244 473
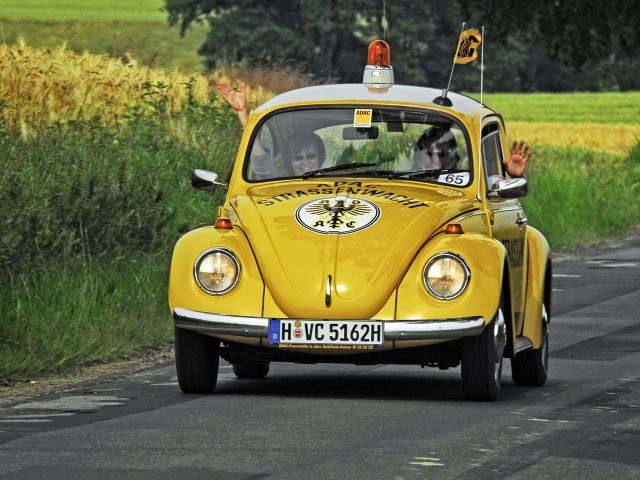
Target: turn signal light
453 228
223 223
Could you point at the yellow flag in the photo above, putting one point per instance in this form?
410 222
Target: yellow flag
468 44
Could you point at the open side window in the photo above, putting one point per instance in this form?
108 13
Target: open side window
492 155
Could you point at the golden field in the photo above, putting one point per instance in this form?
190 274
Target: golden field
44 86
617 138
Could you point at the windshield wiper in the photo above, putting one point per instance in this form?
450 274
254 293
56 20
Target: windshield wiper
415 173
344 166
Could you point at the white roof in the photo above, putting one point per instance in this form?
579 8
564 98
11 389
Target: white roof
359 93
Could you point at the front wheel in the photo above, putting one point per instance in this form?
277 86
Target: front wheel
530 367
482 360
197 358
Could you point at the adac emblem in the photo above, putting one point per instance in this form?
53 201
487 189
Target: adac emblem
337 215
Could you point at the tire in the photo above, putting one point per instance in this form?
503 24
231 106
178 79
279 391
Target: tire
530 367
251 369
197 358
482 360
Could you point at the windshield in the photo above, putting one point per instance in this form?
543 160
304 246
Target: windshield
360 142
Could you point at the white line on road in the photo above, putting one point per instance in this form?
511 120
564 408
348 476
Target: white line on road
41 415
74 402
566 275
27 420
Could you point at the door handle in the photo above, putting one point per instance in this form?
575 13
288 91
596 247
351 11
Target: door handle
521 220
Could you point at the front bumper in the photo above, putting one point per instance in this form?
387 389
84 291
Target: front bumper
258 327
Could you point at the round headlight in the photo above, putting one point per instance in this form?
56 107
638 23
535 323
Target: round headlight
217 271
446 275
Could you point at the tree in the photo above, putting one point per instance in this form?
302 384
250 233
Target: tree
571 31
529 46
322 36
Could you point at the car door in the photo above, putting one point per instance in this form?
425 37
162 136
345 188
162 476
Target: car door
508 220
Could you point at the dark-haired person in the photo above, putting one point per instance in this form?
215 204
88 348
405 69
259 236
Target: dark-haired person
437 149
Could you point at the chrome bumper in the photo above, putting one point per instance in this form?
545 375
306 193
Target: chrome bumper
393 329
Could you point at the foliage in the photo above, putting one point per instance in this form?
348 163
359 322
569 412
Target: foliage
571 31
86 191
331 39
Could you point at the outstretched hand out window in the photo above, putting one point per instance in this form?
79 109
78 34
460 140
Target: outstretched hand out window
360 142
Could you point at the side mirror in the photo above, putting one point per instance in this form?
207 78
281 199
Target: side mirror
205 180
510 188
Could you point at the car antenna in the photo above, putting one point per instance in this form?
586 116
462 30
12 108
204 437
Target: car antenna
442 100
466 51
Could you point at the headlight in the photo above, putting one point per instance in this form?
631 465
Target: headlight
446 275
217 271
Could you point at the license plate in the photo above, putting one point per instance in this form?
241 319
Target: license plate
325 332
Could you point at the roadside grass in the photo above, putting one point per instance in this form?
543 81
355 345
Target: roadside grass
579 196
59 315
88 220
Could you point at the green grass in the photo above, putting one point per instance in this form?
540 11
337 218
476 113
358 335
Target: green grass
138 10
609 107
578 196
82 311
137 28
88 222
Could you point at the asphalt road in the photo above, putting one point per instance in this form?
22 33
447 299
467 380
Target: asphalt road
343 421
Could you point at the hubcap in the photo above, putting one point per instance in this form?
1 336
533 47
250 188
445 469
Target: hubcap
499 342
545 338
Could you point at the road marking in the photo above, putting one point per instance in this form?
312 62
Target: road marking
27 420
41 415
74 402
566 275
534 419
612 264
167 384
427 462
558 289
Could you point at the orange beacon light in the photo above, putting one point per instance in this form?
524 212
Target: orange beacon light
379 54
378 73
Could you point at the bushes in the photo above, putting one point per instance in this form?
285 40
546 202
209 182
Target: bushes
84 191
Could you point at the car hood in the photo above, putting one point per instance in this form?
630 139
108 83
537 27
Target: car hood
361 235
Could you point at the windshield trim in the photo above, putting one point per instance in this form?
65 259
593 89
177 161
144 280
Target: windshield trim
342 106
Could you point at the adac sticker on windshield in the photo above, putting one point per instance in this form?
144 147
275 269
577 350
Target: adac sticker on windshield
362 117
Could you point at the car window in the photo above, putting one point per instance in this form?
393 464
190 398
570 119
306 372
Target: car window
412 144
492 154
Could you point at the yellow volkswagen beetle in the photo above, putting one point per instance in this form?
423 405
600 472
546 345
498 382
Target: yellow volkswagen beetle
362 225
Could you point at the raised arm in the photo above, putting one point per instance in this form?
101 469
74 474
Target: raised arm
237 99
520 155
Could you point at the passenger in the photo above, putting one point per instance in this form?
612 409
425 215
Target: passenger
305 153
437 149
